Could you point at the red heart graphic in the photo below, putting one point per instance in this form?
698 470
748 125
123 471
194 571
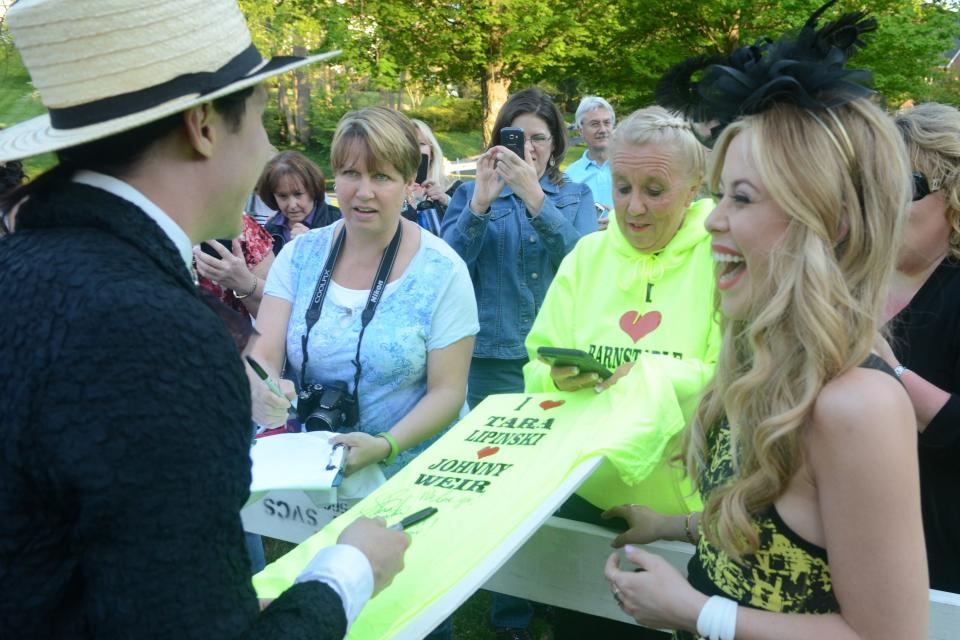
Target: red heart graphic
550 404
487 451
636 326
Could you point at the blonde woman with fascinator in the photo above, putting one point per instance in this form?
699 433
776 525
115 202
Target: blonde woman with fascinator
803 444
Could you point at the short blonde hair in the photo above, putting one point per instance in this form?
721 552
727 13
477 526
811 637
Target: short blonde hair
382 136
656 125
932 133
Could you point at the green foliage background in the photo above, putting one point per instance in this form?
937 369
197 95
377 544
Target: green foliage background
434 59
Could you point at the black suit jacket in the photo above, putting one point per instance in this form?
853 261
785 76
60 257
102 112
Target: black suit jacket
124 440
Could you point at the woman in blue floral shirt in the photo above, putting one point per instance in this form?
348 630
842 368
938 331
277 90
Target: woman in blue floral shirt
415 351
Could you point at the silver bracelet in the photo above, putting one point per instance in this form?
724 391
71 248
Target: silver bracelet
241 296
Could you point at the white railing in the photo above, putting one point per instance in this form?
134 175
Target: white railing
562 565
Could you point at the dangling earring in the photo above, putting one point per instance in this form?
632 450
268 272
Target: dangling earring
551 162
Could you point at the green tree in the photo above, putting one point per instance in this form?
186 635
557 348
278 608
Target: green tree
648 37
297 27
496 43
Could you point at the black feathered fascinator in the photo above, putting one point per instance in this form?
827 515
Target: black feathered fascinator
806 69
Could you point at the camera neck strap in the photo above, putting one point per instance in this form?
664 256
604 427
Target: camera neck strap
376 293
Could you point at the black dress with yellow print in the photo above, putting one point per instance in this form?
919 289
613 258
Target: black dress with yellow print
786 574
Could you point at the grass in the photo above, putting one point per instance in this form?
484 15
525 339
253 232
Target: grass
459 144
574 151
20 101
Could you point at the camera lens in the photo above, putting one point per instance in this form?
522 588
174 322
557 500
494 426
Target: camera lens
319 421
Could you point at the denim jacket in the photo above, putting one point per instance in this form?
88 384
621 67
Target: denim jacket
512 257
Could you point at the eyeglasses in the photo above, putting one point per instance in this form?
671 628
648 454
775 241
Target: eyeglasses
922 188
539 139
595 125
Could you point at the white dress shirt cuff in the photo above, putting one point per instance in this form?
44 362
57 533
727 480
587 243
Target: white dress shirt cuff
347 571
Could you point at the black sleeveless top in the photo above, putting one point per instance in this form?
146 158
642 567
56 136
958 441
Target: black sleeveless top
787 574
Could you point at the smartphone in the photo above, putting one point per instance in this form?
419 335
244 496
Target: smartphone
512 138
210 251
574 358
423 169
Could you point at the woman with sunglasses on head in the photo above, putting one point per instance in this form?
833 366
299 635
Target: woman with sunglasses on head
925 304
803 444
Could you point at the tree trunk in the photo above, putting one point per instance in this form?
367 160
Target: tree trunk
733 34
496 87
303 99
283 105
326 86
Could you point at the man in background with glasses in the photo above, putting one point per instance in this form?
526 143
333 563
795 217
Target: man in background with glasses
595 120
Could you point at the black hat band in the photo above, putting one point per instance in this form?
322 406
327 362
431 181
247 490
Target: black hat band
105 109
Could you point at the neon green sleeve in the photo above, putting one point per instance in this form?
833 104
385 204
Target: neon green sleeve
644 407
688 376
682 383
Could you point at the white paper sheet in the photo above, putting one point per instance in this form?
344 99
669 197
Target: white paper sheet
296 461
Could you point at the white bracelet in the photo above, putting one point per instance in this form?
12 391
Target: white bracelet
718 619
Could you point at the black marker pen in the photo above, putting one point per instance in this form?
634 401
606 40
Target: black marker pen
413 519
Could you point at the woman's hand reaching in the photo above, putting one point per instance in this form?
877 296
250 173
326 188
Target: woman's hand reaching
645 524
655 594
363 449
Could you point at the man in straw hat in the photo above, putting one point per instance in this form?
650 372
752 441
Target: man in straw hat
124 406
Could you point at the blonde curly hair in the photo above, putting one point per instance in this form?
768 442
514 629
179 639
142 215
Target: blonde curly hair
843 180
932 133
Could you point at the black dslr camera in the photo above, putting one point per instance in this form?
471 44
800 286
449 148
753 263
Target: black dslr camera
327 407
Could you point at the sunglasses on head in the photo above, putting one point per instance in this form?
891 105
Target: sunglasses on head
921 188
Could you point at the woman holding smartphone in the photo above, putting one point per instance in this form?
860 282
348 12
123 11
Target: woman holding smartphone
513 226
639 293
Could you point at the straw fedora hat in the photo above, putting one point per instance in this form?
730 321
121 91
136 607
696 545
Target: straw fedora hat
108 66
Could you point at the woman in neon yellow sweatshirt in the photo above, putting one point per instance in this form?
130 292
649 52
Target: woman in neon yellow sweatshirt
639 297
